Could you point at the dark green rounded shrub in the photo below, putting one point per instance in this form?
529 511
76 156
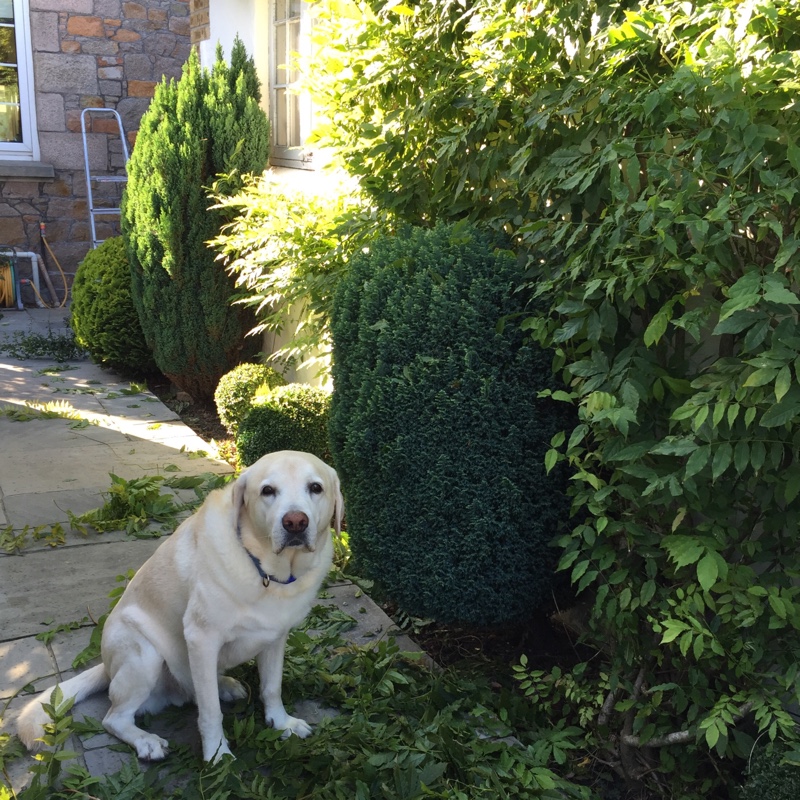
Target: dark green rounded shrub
291 417
103 314
437 431
237 388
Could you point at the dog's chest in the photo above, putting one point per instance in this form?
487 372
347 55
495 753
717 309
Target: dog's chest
261 624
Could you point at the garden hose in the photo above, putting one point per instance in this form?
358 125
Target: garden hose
6 286
63 276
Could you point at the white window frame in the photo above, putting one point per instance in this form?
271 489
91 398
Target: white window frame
297 156
28 149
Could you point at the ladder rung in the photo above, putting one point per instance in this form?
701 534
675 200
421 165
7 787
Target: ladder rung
101 211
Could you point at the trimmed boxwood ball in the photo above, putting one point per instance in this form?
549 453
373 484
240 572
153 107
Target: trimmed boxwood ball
237 388
104 317
437 431
291 417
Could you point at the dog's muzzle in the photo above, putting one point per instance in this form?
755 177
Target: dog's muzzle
295 530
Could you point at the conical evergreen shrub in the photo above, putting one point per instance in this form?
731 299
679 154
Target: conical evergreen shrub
195 129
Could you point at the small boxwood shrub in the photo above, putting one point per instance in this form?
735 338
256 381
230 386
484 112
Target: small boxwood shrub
291 417
103 314
237 388
437 431
769 779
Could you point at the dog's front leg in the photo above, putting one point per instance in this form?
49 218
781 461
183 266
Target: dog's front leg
204 646
270 671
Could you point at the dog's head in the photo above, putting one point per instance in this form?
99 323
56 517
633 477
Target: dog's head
290 498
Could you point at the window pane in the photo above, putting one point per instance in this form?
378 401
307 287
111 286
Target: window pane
294 8
280 55
294 117
281 139
8 46
10 123
9 85
280 10
293 47
7 11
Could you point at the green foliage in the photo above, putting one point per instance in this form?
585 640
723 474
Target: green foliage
135 505
291 417
769 778
130 506
14 540
398 731
52 409
288 247
64 627
195 129
237 388
103 315
670 251
646 164
434 415
439 106
55 737
57 345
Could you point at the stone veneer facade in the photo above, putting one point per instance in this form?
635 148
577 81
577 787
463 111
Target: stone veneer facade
200 21
86 53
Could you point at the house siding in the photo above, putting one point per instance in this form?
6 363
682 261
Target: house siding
86 53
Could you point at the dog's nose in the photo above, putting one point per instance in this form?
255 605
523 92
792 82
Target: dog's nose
295 522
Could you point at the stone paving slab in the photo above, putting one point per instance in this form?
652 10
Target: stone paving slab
49 508
182 448
37 320
45 434
64 584
84 467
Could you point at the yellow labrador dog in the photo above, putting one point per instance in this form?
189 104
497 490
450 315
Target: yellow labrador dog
226 587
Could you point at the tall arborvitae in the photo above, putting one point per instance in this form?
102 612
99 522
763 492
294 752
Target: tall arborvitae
196 128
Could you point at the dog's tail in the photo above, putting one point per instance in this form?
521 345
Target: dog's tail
33 718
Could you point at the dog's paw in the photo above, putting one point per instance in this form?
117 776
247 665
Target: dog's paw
230 689
295 725
151 747
219 753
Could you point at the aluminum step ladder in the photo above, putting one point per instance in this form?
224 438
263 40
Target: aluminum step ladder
101 211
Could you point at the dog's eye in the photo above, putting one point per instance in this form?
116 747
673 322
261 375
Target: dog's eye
315 488
267 491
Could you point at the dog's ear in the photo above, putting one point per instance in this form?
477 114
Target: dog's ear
239 488
338 510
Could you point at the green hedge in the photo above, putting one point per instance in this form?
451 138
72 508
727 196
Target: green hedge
437 432
103 315
291 417
237 388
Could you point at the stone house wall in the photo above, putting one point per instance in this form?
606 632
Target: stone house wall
199 21
86 53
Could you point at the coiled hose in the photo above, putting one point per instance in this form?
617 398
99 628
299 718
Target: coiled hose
6 286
